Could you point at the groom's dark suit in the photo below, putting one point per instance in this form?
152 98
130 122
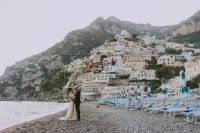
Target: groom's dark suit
78 102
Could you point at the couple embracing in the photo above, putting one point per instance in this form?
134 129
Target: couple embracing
73 95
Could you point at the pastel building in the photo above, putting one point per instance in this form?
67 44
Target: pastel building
192 69
134 61
168 60
145 74
92 77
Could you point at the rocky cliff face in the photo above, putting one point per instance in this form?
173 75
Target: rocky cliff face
23 82
19 66
186 27
114 26
45 70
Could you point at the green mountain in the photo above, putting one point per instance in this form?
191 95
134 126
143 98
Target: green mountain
114 25
21 80
44 71
187 31
193 38
78 43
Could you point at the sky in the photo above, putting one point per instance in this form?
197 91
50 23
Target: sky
28 27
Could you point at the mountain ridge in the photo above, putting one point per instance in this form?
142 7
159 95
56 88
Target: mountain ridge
188 26
114 25
46 66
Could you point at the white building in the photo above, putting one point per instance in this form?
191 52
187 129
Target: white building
118 47
179 57
168 60
122 47
146 54
187 55
145 74
192 69
109 69
149 39
100 77
119 67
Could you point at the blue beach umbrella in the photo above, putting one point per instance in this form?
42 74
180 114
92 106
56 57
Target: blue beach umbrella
148 89
149 94
122 94
164 89
132 89
139 94
184 89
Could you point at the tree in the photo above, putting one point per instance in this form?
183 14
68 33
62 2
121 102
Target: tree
194 83
173 51
167 72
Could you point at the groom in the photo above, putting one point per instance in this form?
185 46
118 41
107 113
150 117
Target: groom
77 100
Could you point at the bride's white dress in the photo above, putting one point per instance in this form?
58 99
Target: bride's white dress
71 113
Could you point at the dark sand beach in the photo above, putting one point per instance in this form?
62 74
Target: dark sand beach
107 119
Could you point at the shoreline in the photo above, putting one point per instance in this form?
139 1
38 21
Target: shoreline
106 119
8 129
14 113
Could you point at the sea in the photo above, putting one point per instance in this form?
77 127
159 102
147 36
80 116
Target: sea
14 112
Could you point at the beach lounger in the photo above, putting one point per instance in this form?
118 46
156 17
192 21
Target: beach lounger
194 111
195 114
164 108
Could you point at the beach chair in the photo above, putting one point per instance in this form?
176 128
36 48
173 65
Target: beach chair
195 114
186 110
164 108
173 108
194 111
156 107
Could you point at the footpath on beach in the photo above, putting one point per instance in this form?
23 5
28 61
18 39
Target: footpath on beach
107 119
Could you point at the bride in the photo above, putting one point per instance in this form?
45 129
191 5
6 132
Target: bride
71 113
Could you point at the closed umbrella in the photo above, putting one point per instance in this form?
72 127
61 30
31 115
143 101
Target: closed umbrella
164 89
139 94
184 88
184 91
132 90
148 89
149 93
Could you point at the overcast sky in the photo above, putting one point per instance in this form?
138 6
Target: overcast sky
28 27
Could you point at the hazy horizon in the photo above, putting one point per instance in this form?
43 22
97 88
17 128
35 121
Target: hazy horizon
30 27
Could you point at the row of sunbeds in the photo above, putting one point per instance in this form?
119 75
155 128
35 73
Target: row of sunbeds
169 105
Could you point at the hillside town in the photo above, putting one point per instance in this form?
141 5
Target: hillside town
122 62
116 65
99 66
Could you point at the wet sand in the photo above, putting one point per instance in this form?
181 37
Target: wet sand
107 119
